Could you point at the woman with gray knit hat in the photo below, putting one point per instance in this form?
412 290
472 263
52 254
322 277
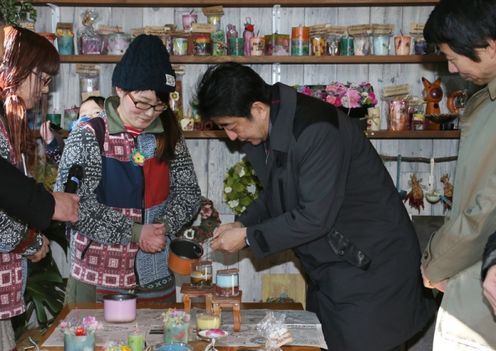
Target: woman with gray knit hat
139 185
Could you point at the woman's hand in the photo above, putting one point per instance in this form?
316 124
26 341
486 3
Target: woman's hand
42 252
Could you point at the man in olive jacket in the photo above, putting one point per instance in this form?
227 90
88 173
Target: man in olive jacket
465 32
327 196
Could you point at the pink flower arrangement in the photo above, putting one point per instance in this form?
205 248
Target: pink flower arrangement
80 328
350 96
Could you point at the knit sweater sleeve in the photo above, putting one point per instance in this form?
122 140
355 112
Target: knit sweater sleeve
184 199
97 221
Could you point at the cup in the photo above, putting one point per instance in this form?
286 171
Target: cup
402 44
188 20
361 45
205 321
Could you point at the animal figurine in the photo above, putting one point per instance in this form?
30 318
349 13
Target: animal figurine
447 192
432 95
416 195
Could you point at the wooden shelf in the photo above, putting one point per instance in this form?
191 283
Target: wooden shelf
418 134
238 3
371 59
381 134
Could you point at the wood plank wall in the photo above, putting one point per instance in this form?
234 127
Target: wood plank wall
213 157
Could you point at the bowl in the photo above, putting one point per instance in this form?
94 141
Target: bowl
119 308
183 255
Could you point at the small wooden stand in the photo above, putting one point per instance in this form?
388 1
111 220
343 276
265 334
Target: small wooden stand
231 302
190 291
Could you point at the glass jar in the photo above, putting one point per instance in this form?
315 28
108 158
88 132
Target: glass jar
202 44
201 274
179 44
346 46
398 118
332 44
227 282
118 43
361 45
381 44
214 20
317 43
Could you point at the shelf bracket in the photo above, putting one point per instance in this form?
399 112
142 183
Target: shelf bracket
276 73
276 18
55 16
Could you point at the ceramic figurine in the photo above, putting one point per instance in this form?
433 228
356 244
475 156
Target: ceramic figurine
432 95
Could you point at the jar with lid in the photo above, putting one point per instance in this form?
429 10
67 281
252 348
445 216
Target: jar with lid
318 43
332 44
118 43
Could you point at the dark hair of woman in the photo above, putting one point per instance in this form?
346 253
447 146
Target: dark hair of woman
166 142
25 53
229 90
464 30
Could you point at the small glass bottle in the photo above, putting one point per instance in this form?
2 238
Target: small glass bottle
247 35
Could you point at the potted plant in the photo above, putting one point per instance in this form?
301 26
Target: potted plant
14 12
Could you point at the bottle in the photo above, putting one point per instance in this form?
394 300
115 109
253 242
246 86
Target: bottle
247 35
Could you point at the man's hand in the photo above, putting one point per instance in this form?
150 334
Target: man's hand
152 238
42 252
229 237
489 287
441 286
66 207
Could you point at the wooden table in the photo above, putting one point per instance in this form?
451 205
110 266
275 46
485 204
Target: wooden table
196 345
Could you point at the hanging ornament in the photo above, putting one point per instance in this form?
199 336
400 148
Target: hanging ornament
448 192
415 196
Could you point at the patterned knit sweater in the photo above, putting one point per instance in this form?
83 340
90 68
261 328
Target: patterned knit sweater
13 266
107 221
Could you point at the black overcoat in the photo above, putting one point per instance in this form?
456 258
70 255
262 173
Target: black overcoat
328 196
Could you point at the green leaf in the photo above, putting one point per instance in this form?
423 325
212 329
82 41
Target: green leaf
41 315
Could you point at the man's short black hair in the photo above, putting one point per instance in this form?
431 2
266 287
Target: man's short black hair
464 25
229 90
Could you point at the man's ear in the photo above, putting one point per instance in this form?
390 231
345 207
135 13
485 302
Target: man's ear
491 48
260 109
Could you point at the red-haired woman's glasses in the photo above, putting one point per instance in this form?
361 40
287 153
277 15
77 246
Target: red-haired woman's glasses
140 105
45 80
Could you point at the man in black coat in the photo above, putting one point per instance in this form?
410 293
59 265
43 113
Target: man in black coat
328 197
22 197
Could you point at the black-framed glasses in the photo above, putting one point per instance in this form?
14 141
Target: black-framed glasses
140 105
44 80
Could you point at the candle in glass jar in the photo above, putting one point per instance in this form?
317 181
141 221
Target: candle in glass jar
227 282
402 44
136 341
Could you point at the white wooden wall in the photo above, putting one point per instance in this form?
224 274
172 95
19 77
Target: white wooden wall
213 157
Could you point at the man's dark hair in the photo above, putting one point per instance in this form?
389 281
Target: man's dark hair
464 25
229 90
